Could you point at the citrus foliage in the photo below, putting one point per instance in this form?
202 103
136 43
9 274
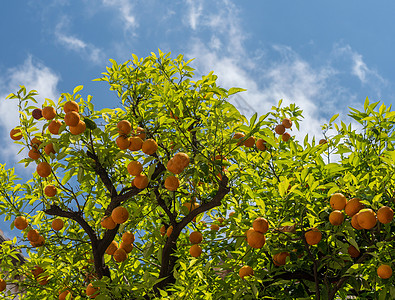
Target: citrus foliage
175 159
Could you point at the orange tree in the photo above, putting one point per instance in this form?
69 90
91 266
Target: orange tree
174 194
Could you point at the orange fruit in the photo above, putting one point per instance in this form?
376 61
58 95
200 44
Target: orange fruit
231 214
48 112
286 122
122 142
385 214
245 271
338 201
39 243
71 106
353 206
135 168
178 163
191 206
140 132
72 118
35 142
280 259
195 250
37 271
279 129
50 191
124 127
3 285
37 113
366 218
172 183
285 137
162 230
63 295
135 143
16 134
127 247
336 217
120 255
108 223
91 291
260 224
354 222
20 222
322 141
33 235
48 149
238 135
354 253
169 230
57 224
255 239
384 271
43 169
112 248
195 237
34 154
313 236
261 144
149 147
80 128
128 237
120 214
214 227
141 181
54 126
250 142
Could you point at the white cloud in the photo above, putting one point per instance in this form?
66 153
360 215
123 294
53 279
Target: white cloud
75 44
195 12
33 75
125 8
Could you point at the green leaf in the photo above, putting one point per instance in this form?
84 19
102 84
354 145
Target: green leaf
77 89
235 90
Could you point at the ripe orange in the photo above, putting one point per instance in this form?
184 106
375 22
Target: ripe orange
162 230
140 132
286 136
48 112
33 235
141 181
35 142
57 224
353 206
50 191
322 141
48 149
172 183
250 142
135 143
191 206
338 201
214 227
280 259
20 222
149 147
261 144
354 253
169 230
135 168
72 118
54 126
44 169
37 271
3 285
366 218
34 154
120 255
122 142
71 106
286 122
195 237
120 214
91 291
336 217
279 129
39 243
108 223
245 271
111 248
80 128
384 271
37 113
178 163
63 295
16 134
127 247
195 250
255 239
354 222
238 135
385 214
124 127
313 236
260 224
128 237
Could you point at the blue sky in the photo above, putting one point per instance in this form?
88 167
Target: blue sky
322 55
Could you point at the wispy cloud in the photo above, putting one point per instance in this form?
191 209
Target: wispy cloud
73 43
125 8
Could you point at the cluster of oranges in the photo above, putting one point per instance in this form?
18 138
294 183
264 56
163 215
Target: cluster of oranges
120 253
286 123
119 215
176 165
195 238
